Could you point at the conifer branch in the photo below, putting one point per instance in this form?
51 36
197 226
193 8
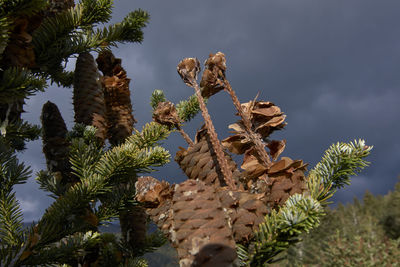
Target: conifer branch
340 161
19 83
4 34
156 97
68 250
149 136
188 109
13 8
11 173
281 229
17 133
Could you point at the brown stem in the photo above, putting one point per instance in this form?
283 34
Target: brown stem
254 137
184 135
226 172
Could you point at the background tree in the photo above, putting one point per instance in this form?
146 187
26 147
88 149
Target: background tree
357 234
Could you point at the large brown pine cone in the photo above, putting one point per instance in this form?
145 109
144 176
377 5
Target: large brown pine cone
88 98
117 97
198 219
199 162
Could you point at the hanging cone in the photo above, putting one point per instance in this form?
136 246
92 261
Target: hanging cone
198 220
117 97
88 98
55 145
199 162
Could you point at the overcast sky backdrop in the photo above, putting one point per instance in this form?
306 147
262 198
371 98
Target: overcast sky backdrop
332 66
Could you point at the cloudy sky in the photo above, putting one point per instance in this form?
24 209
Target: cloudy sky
332 66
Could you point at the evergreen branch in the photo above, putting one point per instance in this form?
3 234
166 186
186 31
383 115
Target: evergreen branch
60 77
5 28
68 250
83 158
188 109
9 255
54 29
125 160
54 44
281 229
51 183
13 8
156 97
17 133
97 11
10 220
64 216
129 30
64 23
151 133
340 161
18 84
121 196
11 171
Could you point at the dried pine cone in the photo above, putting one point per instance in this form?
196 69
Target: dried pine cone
117 97
188 69
199 162
213 75
265 118
166 114
88 98
156 196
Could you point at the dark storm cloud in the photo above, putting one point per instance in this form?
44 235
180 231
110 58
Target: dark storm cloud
332 66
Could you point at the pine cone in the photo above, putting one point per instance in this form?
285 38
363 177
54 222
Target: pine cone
283 179
213 75
199 162
188 69
55 145
245 210
156 196
117 97
265 118
198 220
166 114
88 98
